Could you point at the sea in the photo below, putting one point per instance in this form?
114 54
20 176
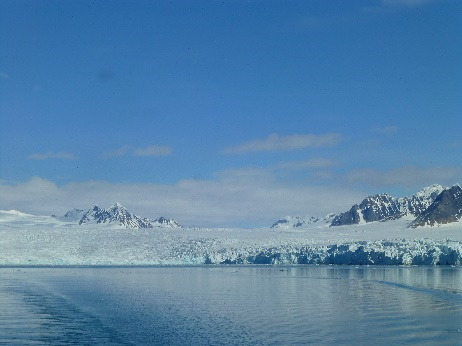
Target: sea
231 305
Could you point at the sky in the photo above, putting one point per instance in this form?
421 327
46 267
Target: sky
227 113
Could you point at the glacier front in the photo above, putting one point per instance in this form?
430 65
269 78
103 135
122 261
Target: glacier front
376 243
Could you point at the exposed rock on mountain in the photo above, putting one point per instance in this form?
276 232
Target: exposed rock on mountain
419 202
372 208
384 207
297 221
74 214
163 222
446 208
294 221
432 205
350 217
116 214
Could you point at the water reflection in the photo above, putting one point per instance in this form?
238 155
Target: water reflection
232 305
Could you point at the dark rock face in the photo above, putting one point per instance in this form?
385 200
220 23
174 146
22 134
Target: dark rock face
280 223
379 208
373 208
446 208
384 207
350 217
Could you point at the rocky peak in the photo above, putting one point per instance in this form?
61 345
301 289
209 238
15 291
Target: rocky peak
373 208
117 207
379 207
289 222
416 204
74 214
384 207
446 208
350 217
116 214
166 223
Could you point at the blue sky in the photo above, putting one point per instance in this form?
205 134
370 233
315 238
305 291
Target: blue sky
227 113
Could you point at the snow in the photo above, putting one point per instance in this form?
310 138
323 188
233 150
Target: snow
290 222
118 215
361 217
428 191
43 240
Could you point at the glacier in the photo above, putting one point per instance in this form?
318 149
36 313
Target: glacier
40 240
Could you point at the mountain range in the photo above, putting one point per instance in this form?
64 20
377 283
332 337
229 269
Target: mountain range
431 206
446 208
116 214
299 221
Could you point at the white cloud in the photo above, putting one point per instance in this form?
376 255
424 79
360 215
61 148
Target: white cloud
405 177
316 163
154 150
122 151
386 6
408 3
242 197
274 142
387 130
51 155
234 197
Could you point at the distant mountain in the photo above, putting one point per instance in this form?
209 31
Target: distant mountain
446 208
74 214
373 208
419 202
116 214
163 222
297 221
433 205
384 207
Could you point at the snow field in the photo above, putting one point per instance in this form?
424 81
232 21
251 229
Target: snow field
378 243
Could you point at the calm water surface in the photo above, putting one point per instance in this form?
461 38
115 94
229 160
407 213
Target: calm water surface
237 305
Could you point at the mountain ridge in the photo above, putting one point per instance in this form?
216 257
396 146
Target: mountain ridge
298 221
383 207
446 208
117 214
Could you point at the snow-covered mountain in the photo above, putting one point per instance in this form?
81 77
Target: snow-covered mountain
45 240
74 214
373 208
384 207
419 202
163 222
289 222
118 215
446 208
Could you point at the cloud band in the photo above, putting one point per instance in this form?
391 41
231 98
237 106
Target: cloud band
274 143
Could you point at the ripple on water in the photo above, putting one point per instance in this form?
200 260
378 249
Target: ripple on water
231 306
30 315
